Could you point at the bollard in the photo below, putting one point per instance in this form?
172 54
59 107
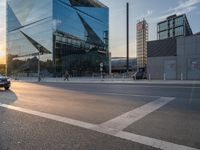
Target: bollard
149 76
164 76
181 76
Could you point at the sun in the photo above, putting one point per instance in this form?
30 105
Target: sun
2 57
2 60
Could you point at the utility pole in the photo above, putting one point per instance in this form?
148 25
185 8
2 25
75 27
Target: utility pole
127 34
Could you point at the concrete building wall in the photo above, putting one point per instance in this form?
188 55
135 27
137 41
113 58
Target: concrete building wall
185 65
158 67
188 57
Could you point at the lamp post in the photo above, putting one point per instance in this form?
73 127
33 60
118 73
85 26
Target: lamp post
127 34
39 78
39 53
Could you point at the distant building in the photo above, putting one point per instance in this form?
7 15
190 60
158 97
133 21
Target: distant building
69 34
174 58
176 53
174 26
142 38
198 33
119 64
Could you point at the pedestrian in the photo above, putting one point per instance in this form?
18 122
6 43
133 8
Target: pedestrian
66 76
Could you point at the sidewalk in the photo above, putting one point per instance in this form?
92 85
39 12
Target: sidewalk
85 80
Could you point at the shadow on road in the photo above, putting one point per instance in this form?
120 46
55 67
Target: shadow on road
7 96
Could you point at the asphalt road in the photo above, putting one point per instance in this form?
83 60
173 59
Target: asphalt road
99 117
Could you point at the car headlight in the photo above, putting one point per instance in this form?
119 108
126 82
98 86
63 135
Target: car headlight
9 80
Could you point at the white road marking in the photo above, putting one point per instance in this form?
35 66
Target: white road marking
153 85
152 142
123 121
168 87
124 94
50 116
109 131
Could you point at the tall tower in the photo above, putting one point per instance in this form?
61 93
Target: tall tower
142 38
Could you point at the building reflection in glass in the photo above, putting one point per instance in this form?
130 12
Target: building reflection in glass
70 35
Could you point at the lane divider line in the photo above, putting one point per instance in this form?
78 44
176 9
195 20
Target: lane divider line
123 121
50 116
123 94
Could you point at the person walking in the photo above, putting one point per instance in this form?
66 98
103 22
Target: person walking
66 76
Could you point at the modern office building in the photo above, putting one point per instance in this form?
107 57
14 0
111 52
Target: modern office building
174 58
142 38
176 55
174 26
198 33
68 34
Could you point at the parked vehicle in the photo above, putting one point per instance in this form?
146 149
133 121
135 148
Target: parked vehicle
5 82
139 75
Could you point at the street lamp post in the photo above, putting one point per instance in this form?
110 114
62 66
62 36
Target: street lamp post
127 34
39 53
39 78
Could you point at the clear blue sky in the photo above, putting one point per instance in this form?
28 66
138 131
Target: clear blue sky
152 10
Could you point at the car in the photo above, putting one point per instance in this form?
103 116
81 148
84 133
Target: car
5 82
139 75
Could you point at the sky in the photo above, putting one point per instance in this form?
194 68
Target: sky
152 10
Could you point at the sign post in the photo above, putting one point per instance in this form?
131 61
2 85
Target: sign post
101 70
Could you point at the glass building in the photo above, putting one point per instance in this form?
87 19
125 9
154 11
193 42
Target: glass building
174 26
67 35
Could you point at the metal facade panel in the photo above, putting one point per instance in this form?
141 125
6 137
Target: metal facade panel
161 48
170 69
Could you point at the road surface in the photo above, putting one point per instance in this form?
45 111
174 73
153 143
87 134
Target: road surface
66 116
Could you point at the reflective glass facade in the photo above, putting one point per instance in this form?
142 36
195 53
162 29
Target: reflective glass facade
174 26
70 35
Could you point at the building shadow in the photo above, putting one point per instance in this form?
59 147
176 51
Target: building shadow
7 96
